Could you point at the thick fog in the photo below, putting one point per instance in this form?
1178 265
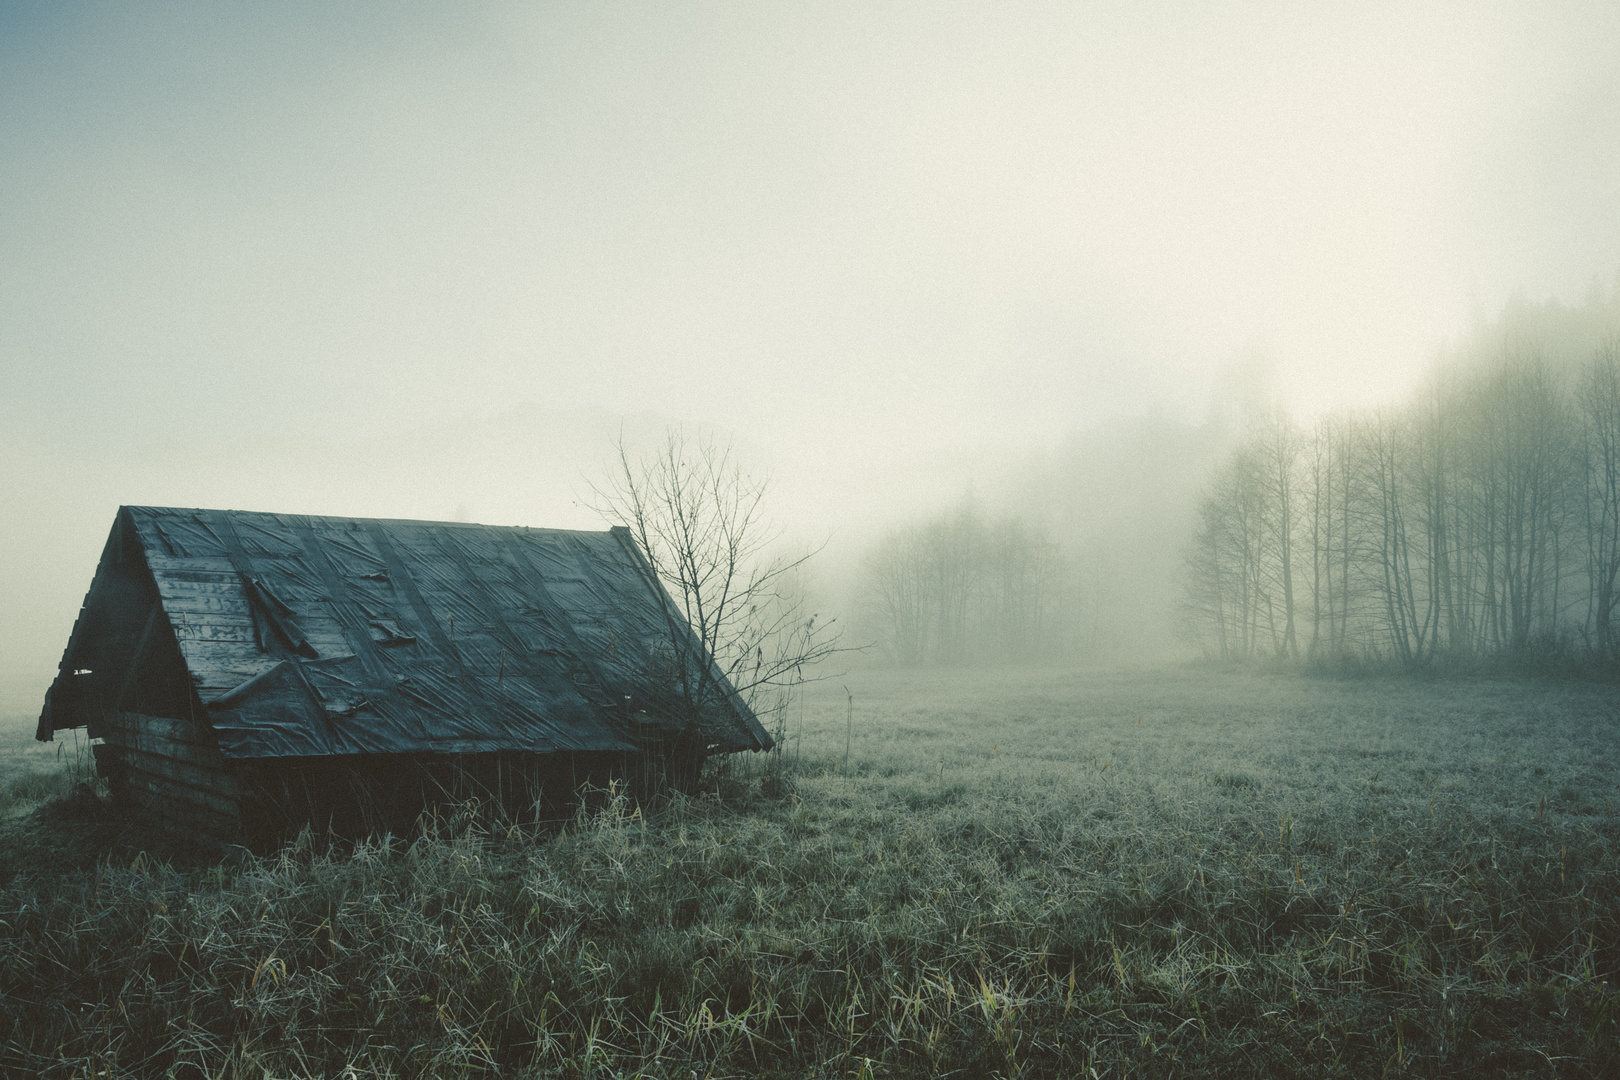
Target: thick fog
1019 261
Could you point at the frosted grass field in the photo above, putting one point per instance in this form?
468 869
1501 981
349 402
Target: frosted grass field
1157 873
1309 748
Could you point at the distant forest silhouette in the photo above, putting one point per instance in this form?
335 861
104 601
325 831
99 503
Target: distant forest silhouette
1478 521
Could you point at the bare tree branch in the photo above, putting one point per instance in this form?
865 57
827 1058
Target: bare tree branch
699 518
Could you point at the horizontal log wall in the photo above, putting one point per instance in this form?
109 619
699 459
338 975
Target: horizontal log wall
178 806
171 770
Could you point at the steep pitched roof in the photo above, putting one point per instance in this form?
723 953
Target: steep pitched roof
326 635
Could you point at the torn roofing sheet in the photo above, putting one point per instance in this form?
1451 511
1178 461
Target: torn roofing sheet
323 635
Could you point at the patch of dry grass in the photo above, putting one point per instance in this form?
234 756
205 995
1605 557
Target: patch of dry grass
1019 874
32 772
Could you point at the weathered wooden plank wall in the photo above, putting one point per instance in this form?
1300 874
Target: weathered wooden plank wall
171 769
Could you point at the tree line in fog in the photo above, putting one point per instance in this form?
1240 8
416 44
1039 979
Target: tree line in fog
964 588
1479 521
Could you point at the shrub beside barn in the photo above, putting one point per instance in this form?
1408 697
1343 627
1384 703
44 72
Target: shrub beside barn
241 675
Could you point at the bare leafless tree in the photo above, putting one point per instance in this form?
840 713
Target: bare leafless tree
895 596
958 588
1477 520
1278 445
1599 398
700 520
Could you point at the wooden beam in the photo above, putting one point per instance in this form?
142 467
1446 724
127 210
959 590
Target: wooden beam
206 757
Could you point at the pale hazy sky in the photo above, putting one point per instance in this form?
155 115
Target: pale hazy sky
857 234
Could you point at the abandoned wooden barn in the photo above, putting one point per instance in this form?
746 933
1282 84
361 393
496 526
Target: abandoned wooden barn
241 675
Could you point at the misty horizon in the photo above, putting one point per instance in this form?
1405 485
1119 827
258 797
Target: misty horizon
406 262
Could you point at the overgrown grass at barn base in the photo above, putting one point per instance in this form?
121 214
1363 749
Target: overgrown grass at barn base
31 772
1166 874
